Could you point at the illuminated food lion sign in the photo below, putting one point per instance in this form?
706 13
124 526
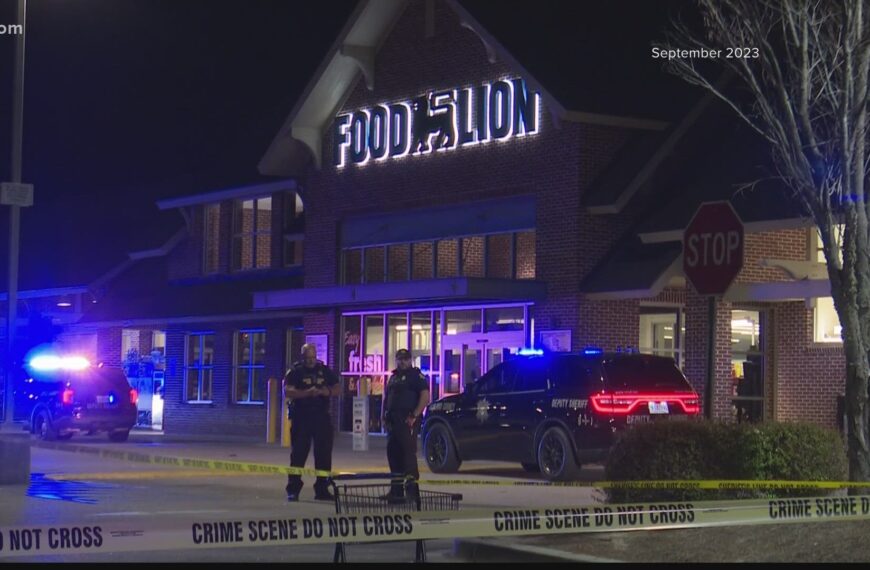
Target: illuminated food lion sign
437 120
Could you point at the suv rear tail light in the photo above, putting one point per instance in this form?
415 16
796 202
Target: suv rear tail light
624 404
67 397
134 396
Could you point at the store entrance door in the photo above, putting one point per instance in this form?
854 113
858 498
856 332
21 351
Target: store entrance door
468 356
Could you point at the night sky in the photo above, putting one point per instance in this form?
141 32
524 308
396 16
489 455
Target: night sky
129 101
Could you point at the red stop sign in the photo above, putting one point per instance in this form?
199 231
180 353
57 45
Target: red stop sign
713 248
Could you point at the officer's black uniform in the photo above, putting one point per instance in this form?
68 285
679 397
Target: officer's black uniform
311 421
403 393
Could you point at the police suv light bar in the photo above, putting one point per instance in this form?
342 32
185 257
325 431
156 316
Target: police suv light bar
47 362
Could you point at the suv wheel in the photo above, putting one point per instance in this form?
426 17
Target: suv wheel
43 428
120 435
556 456
440 452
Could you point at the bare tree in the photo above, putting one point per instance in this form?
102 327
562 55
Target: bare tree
800 80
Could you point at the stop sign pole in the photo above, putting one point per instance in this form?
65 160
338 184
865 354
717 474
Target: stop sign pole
713 245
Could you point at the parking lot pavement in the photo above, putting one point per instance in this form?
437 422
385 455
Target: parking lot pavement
137 482
75 487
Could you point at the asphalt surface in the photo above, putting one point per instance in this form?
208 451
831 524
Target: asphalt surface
77 488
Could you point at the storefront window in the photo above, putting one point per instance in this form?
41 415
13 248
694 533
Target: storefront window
397 336
504 319
130 346
250 363
295 340
423 260
747 365
374 264
199 367
349 359
526 255
448 258
462 321
472 256
827 321
498 256
373 366
353 266
661 333
158 349
421 341
398 260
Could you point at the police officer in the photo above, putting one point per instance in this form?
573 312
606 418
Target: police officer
309 385
407 396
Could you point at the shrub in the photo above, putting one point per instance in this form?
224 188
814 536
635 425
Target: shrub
712 450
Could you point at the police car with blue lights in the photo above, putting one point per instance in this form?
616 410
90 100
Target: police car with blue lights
58 396
552 412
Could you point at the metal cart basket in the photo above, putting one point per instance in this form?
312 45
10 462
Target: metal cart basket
370 497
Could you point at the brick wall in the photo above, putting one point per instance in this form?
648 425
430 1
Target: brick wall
326 322
447 251
109 346
498 261
472 256
423 254
781 244
399 256
608 324
556 166
696 349
811 375
222 415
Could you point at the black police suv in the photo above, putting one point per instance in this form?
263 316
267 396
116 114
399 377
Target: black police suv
555 411
57 403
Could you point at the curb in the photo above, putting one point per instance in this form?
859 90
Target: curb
485 550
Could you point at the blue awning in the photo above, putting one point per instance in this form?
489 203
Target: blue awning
459 289
488 217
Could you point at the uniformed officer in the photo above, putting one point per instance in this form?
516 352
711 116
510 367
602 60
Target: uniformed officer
309 385
407 396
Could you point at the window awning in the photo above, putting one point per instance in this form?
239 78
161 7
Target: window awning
486 217
459 289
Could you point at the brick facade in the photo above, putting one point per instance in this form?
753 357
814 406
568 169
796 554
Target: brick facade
810 375
557 167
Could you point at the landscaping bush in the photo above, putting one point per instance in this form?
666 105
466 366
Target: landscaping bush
712 450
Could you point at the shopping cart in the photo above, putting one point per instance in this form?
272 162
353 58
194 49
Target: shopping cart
375 498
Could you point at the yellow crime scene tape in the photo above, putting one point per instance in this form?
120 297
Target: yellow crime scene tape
242 467
146 534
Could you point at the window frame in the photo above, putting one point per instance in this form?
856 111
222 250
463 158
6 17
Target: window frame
198 369
816 337
237 367
206 270
238 237
293 229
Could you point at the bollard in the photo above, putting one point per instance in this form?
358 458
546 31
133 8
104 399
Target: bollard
286 422
14 459
273 411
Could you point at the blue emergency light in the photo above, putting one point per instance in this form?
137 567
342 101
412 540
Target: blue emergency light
530 352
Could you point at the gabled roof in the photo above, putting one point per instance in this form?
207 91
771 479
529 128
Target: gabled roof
583 70
143 292
58 252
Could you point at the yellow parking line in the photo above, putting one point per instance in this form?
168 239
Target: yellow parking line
131 475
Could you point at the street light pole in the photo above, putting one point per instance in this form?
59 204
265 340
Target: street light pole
14 215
